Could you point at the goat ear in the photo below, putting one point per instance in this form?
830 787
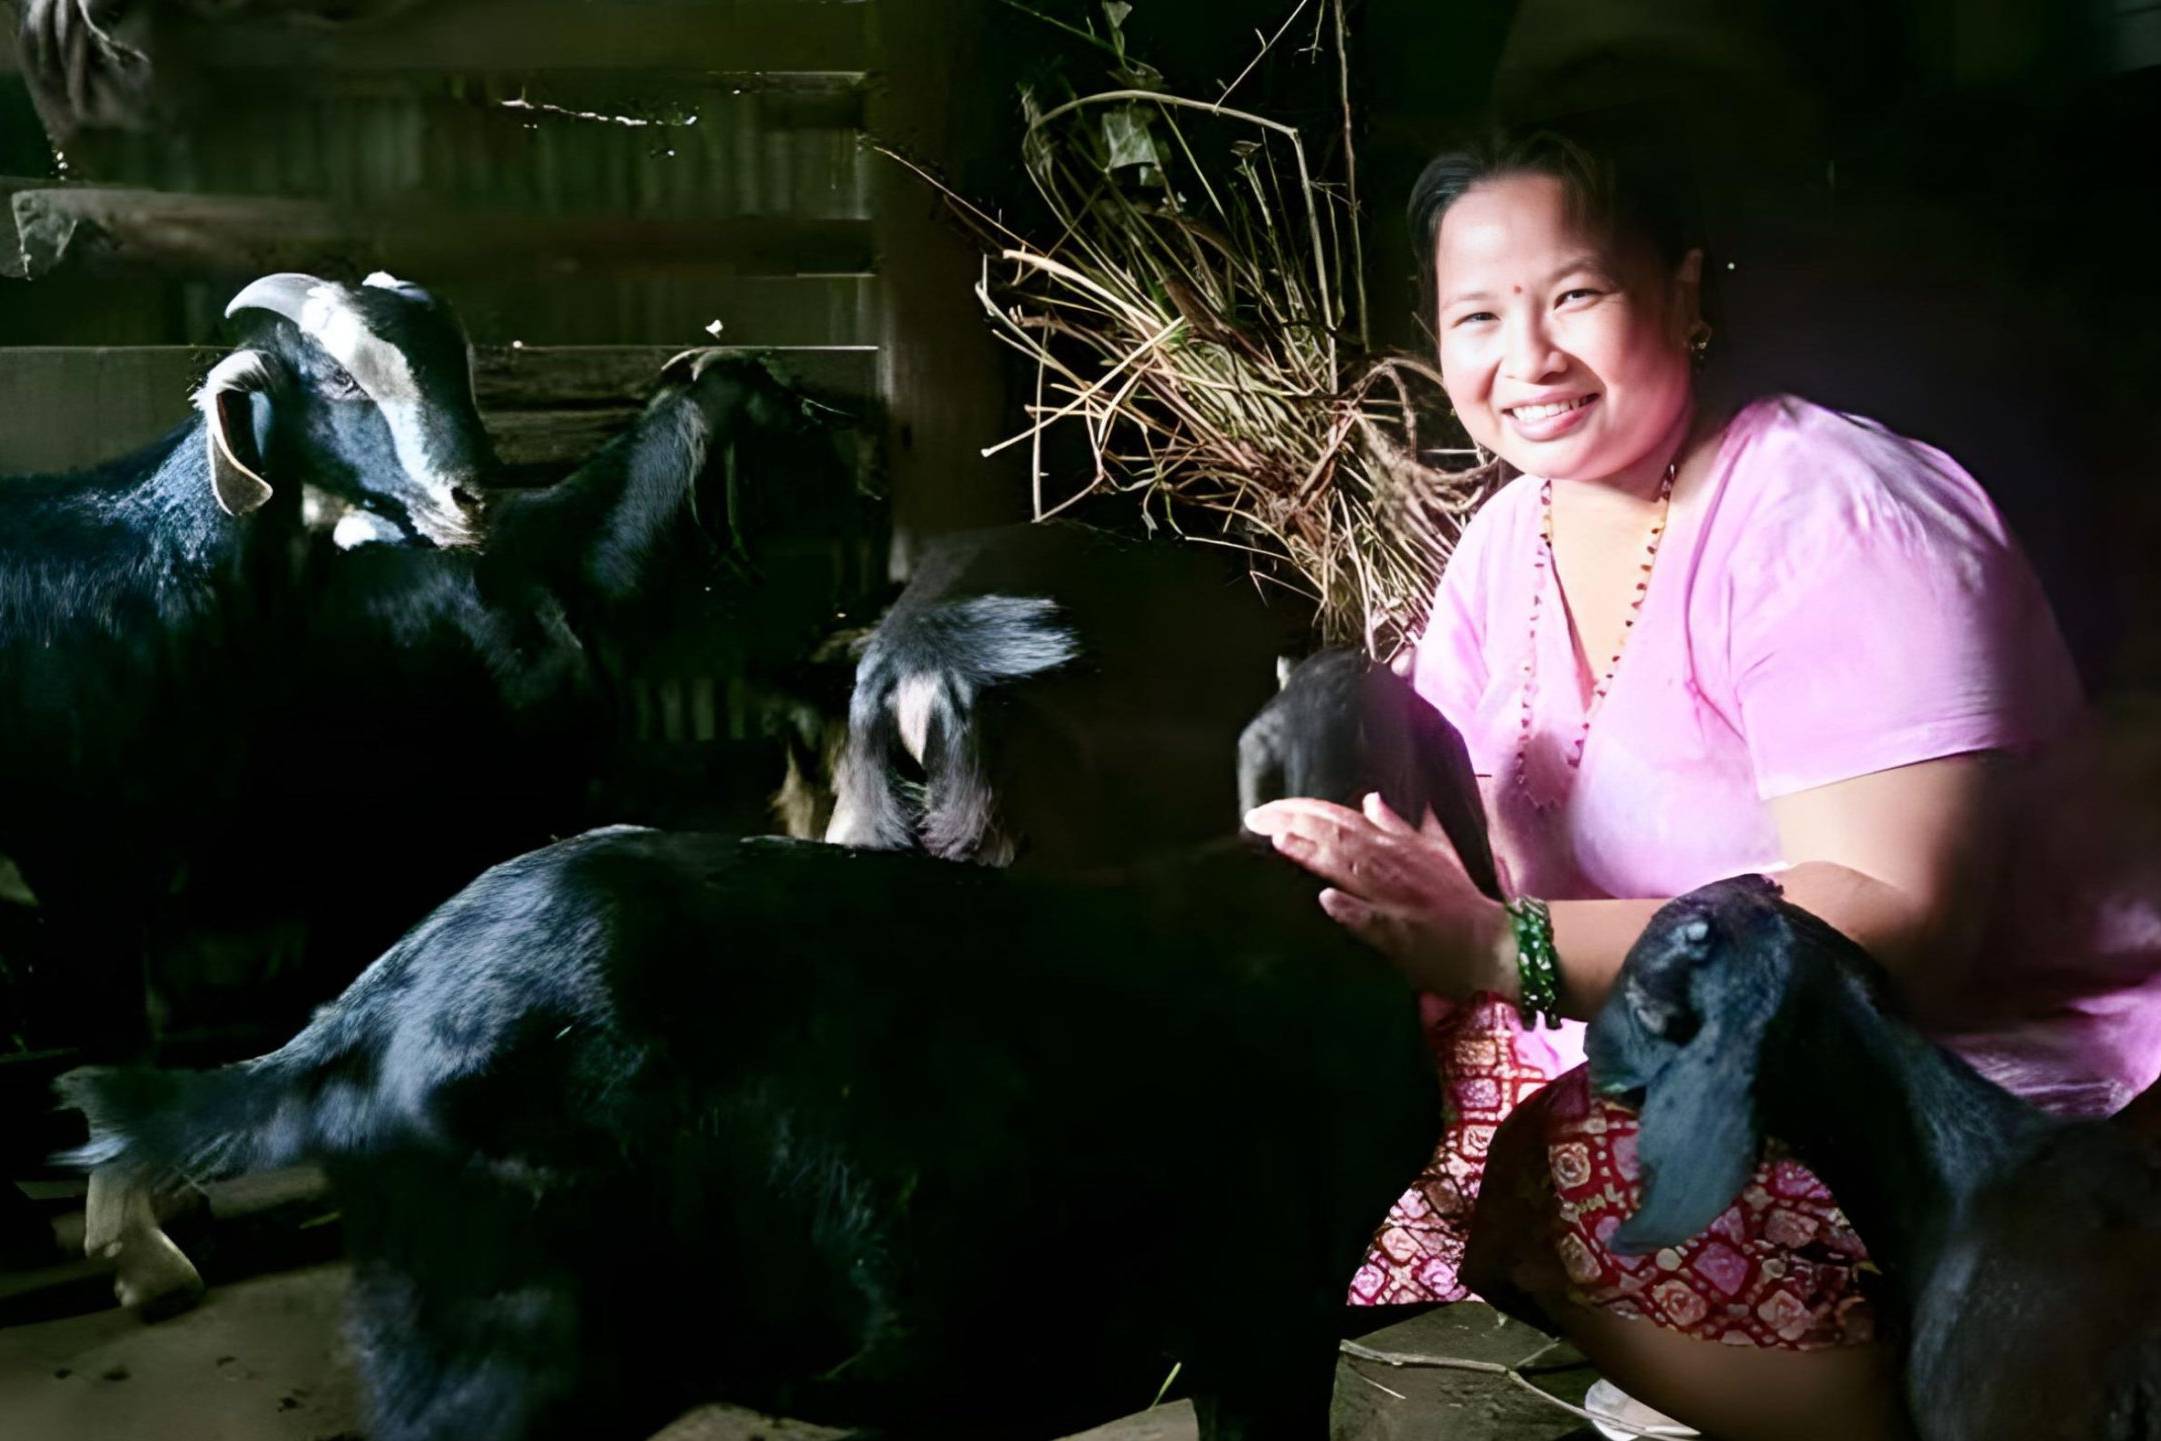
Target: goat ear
1696 1143
1698 1137
229 429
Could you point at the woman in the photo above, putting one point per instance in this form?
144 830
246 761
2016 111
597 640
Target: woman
1690 641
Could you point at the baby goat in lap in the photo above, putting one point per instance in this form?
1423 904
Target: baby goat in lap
2023 1254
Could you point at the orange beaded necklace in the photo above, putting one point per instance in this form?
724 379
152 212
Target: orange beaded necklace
1545 565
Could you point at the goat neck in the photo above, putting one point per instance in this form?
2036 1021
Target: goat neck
72 541
596 534
1904 1133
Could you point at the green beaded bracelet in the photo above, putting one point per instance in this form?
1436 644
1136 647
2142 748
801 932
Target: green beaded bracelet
1538 968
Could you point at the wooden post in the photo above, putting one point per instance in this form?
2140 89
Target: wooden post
940 367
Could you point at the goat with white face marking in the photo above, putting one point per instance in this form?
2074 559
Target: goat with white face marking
400 437
148 624
147 605
444 706
2023 1253
1055 694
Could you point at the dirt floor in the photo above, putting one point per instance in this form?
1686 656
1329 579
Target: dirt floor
262 1359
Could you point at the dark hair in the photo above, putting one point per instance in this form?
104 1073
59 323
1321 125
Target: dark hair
1624 180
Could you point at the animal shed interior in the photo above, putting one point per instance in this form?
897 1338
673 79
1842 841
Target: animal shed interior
593 200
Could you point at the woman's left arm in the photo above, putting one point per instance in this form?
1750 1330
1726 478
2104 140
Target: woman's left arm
1900 860
1903 861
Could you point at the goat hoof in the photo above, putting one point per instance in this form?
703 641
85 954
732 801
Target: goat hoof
152 1277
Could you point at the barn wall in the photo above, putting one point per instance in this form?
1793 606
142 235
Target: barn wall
595 186
641 173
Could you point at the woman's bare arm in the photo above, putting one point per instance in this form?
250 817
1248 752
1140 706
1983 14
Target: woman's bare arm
1901 860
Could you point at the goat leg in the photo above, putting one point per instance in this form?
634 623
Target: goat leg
150 1273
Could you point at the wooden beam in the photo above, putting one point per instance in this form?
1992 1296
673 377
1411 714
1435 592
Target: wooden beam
243 235
85 307
802 36
547 407
943 378
520 377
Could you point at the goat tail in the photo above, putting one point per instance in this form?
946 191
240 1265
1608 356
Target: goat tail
186 1122
275 1110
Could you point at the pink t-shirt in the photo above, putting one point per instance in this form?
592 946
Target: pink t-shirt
1829 599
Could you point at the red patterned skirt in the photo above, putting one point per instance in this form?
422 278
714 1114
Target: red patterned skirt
1779 1268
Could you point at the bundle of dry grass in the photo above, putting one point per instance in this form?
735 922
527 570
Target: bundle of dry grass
1197 307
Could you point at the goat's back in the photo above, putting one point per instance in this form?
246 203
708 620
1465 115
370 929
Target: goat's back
2042 1322
865 1108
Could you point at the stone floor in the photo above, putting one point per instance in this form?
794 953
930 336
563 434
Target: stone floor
261 1359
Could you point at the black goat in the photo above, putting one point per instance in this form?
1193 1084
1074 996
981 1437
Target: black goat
864 1108
458 706
148 616
2022 1253
151 627
447 708
853 1102
1343 728
1057 694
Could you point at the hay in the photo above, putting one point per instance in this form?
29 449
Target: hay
1195 305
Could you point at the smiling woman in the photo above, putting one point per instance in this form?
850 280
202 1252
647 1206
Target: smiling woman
1691 640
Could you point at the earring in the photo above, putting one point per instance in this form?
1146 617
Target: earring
1699 341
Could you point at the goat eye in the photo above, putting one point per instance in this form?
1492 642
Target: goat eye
339 384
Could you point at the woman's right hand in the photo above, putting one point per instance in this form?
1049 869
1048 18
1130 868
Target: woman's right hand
1400 888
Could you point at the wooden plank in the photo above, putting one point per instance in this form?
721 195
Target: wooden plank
800 36
521 377
679 308
676 145
64 408
67 406
251 235
72 308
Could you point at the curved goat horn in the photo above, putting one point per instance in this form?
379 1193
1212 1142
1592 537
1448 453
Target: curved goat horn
223 402
281 294
686 367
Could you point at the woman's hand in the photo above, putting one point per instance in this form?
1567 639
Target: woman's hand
1400 889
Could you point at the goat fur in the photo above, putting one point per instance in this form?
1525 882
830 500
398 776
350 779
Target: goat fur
864 1107
2022 1254
1072 698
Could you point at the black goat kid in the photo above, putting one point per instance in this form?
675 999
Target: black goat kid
1343 728
855 1111
2023 1254
148 616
